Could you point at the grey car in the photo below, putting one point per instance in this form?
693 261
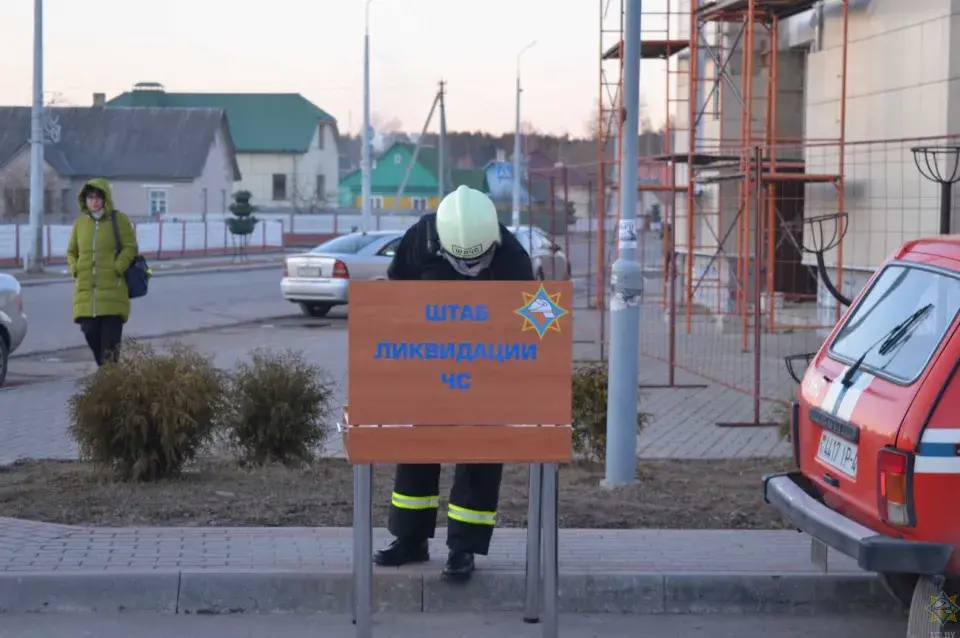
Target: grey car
13 321
319 279
550 262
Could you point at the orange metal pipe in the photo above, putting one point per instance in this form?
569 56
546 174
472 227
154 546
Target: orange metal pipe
841 199
691 152
601 173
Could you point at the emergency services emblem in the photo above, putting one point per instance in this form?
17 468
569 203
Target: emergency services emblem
943 609
541 312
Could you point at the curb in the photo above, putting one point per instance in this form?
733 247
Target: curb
179 272
402 591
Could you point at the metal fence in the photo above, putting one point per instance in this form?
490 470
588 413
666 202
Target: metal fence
732 292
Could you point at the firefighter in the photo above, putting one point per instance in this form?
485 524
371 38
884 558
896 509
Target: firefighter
465 224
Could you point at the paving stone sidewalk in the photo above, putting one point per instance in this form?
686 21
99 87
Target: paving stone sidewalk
220 570
27 546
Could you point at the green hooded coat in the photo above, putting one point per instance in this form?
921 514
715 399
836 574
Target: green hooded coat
100 288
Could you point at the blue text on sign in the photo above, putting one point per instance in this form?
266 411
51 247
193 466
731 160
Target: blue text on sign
457 312
456 380
431 351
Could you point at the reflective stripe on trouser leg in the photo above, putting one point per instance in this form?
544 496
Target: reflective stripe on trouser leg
473 507
413 505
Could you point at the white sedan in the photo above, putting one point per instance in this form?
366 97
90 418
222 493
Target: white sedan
13 321
319 279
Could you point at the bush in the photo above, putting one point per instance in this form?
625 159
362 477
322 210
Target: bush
279 407
590 412
149 414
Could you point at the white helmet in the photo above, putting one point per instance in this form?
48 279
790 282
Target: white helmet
468 230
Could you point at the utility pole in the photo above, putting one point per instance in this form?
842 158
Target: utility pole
515 222
441 157
626 278
34 260
365 213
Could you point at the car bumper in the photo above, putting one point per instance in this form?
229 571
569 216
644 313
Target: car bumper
873 552
17 329
334 291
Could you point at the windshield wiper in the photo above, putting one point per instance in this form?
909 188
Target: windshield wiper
887 342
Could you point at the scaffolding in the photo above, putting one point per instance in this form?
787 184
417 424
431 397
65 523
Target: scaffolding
736 161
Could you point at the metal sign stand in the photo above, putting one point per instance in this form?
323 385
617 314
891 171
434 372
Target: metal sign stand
542 524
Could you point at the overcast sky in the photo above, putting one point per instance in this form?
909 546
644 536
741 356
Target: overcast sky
315 47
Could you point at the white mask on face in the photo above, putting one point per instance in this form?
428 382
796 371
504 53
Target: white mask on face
469 268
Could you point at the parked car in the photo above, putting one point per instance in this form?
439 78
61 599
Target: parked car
319 279
876 437
13 321
550 263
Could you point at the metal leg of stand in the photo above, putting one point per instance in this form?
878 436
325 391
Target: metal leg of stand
363 550
531 610
551 576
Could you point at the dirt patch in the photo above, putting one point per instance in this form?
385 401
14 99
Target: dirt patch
670 495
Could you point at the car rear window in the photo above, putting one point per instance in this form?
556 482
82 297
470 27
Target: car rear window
896 293
346 244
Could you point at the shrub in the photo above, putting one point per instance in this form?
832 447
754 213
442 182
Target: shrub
590 412
149 414
279 407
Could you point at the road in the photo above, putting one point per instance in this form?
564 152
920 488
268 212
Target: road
192 302
175 304
440 626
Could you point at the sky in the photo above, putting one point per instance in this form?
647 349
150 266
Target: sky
315 47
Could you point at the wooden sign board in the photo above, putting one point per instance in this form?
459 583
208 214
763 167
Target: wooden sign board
460 353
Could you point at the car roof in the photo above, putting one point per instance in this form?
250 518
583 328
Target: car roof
946 246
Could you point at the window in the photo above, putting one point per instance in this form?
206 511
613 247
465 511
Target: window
896 293
397 158
157 202
418 203
391 248
376 202
279 187
321 187
346 244
66 197
320 133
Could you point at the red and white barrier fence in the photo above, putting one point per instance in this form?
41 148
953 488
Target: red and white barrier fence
157 240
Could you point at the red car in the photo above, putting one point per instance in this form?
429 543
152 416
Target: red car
876 435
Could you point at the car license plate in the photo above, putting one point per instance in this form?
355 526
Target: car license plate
838 454
308 272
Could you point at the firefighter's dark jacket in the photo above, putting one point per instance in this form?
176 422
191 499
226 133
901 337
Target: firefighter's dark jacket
417 257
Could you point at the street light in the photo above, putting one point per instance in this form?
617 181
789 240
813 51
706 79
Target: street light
34 260
941 164
516 145
365 213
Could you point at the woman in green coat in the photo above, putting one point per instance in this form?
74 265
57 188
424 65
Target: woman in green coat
97 258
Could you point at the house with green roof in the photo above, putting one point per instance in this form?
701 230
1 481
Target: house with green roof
422 190
286 146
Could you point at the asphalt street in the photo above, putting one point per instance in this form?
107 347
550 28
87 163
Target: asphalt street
440 626
174 304
200 301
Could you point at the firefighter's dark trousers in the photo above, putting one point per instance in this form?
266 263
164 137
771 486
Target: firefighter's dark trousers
472 512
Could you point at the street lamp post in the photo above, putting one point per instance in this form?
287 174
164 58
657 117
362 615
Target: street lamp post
365 169
34 261
626 277
515 222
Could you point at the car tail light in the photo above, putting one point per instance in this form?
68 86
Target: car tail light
895 487
20 302
795 432
340 270
286 269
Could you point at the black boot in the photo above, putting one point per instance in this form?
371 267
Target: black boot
459 566
401 552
